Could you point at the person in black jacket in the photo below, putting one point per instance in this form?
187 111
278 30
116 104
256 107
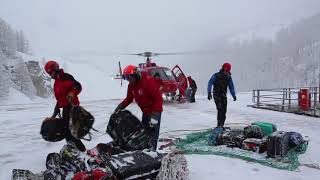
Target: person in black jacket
193 89
220 82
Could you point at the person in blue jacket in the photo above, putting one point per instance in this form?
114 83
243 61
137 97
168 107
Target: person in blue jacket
220 82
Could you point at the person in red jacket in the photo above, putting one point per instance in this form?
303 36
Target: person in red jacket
143 89
66 90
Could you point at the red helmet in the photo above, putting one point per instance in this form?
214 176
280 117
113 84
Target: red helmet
129 70
51 66
227 67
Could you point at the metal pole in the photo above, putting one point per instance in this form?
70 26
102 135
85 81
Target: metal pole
283 97
253 96
258 98
315 102
289 103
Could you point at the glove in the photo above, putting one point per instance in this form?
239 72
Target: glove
234 98
70 97
56 111
154 119
209 96
118 109
153 122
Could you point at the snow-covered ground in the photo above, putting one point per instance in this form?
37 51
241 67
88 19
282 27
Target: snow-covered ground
23 147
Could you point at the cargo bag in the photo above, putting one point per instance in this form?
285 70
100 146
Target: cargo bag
104 149
139 140
213 135
231 138
53 129
267 128
295 139
255 145
81 122
134 164
278 144
122 126
253 131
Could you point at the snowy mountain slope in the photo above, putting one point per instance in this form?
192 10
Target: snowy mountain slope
96 78
23 147
266 33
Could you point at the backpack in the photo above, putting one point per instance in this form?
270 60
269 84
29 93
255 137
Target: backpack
122 126
295 139
80 123
212 141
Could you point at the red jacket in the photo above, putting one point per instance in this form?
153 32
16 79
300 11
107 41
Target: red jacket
146 93
159 83
64 84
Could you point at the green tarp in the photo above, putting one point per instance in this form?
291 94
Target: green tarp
197 143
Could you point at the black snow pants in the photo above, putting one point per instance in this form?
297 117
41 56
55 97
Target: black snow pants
69 137
192 96
154 131
221 104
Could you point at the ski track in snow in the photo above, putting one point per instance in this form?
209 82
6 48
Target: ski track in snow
22 145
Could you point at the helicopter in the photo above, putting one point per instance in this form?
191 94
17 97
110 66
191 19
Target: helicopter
174 80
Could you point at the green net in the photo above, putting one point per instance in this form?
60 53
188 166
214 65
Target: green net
197 143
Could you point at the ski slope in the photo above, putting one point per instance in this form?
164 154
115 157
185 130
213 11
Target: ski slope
22 146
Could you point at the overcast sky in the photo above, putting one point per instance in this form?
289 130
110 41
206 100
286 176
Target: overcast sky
56 27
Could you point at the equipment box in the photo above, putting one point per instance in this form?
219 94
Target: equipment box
134 164
255 145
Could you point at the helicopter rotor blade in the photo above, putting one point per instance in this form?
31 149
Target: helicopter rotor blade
120 72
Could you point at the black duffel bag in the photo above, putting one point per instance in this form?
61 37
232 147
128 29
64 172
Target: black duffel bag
295 139
53 129
127 132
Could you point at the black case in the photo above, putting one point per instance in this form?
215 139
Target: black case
278 144
134 164
122 126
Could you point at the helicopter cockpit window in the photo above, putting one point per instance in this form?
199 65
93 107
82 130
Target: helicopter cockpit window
169 74
165 74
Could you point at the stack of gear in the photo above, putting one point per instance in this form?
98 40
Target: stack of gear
70 163
127 132
109 161
259 142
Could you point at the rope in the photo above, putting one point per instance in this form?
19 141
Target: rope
313 166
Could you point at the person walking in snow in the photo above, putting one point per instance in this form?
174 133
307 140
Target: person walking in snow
193 88
66 90
144 90
220 82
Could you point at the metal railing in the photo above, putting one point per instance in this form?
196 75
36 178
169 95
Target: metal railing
286 100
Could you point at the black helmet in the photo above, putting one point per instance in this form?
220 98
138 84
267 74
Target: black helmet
80 123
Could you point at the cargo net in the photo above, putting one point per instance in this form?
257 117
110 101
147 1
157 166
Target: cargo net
173 167
197 143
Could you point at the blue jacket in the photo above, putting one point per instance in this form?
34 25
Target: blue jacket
215 79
